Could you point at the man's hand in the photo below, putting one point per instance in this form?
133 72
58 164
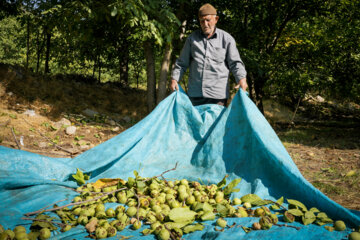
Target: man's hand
242 84
174 85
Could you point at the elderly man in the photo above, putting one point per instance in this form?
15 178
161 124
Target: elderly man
210 53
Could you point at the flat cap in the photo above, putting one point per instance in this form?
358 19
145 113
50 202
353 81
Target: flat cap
207 9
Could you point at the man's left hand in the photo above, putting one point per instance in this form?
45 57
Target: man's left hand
242 83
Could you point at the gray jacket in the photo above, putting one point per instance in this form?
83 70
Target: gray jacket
210 61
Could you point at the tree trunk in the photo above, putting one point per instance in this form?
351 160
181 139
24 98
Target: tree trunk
150 72
137 80
94 68
177 43
40 48
38 51
47 56
256 90
259 92
164 73
250 80
99 62
124 62
27 43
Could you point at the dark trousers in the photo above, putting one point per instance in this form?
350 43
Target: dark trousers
201 100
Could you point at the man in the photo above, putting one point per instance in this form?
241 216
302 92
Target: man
210 53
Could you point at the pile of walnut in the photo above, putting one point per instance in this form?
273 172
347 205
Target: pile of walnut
170 208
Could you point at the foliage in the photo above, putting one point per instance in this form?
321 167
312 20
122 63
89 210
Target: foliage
289 48
11 46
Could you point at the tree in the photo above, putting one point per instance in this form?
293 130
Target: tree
258 26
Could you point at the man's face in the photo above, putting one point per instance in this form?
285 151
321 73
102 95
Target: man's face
208 23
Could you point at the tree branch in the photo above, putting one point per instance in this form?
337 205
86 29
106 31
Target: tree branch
65 150
288 17
285 225
43 220
73 204
17 143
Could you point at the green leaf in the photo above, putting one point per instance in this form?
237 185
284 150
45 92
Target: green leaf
44 224
222 183
320 223
261 202
222 210
280 201
141 185
250 198
136 174
231 186
182 215
172 225
203 207
147 231
314 210
297 204
296 212
79 177
208 216
114 12
86 177
308 218
78 138
274 207
193 228
322 217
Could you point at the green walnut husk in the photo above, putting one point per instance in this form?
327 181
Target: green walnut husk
8 234
100 232
288 217
259 212
66 228
111 231
21 235
33 235
136 225
44 233
265 222
18 229
339 225
164 234
354 236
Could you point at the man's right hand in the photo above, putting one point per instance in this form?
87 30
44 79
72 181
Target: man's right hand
174 85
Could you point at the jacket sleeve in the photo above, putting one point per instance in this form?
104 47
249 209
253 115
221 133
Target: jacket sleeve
234 61
183 62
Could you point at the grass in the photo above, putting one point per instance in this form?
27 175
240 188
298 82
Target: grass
329 188
343 138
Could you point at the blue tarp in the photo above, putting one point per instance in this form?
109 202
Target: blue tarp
207 141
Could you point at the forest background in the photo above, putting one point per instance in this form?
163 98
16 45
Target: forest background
296 52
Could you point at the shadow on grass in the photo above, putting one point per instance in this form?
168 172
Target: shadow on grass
323 137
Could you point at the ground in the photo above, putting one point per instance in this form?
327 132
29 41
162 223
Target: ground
323 137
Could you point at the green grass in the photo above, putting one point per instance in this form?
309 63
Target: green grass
329 188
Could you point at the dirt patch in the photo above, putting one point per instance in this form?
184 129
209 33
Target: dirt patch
31 109
325 156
